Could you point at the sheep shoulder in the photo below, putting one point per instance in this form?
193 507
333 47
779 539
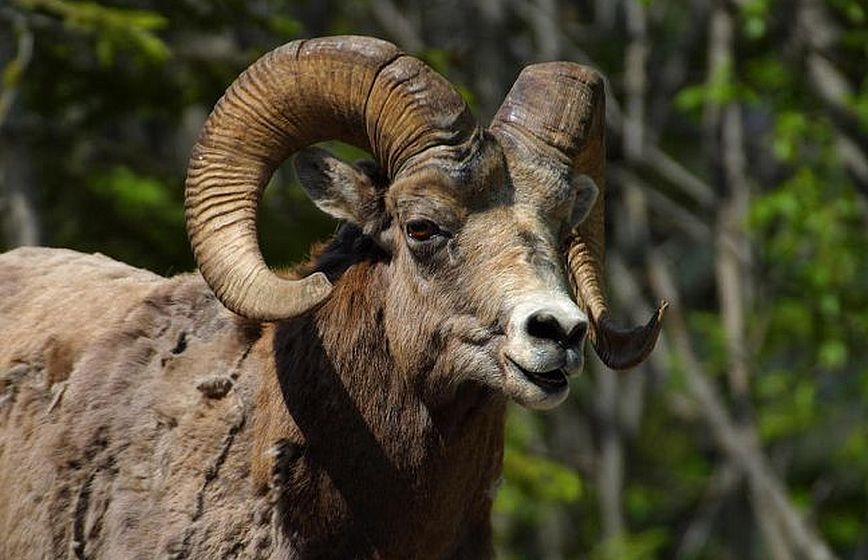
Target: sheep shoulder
125 403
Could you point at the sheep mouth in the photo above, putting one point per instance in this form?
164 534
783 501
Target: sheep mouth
551 381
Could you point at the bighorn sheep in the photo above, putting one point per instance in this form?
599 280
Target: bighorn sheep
354 409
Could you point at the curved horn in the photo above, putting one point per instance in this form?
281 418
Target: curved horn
359 90
554 116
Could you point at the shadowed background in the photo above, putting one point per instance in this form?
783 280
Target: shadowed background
738 173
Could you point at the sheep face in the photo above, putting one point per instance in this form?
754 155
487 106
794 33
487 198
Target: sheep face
477 287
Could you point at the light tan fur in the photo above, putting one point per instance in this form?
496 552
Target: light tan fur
182 431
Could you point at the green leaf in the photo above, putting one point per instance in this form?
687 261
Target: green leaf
114 29
833 354
690 98
636 546
755 13
285 26
531 482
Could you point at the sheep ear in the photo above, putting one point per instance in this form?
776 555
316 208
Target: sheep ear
340 189
586 194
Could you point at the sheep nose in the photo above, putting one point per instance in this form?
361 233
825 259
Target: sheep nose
546 332
559 324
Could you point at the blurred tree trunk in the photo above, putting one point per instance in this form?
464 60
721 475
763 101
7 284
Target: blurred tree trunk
17 191
610 464
21 224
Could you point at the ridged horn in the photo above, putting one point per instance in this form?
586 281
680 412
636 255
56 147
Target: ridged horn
555 116
359 90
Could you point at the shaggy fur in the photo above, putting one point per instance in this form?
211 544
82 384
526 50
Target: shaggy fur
140 419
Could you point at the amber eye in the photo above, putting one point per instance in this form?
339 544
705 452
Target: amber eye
422 230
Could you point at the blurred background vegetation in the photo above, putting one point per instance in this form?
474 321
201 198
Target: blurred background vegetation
738 173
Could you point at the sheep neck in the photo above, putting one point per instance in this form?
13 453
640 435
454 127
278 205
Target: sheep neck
377 467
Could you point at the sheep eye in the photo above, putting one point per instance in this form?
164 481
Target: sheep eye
422 230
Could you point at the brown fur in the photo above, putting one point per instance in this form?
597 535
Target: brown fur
140 419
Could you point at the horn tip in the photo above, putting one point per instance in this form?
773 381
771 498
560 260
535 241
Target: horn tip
622 349
315 288
287 298
661 310
319 284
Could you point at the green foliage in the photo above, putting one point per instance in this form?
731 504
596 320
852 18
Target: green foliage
636 546
853 11
853 451
811 240
711 340
142 202
657 491
113 29
534 486
754 16
789 406
811 315
532 483
721 89
136 197
845 528
859 102
285 26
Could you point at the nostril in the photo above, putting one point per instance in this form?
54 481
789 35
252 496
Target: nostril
577 335
544 325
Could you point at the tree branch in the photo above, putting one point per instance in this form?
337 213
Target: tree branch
740 445
722 483
683 218
722 127
397 25
610 467
816 31
16 68
22 220
635 80
732 257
